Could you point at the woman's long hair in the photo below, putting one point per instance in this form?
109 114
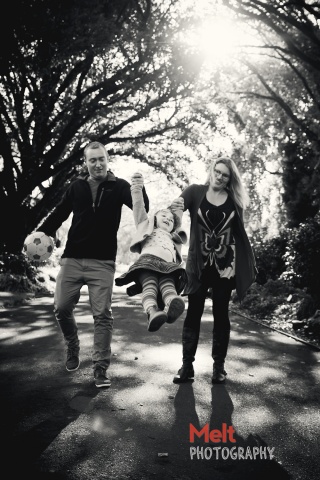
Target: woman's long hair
235 185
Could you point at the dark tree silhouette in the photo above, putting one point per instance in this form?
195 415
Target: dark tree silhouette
79 70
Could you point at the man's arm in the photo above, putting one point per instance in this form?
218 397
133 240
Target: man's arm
57 216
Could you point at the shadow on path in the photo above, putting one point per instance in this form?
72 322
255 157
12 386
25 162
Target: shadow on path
201 450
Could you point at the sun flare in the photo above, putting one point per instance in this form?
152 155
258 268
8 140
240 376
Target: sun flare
220 39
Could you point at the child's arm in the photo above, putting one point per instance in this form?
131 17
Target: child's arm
180 231
138 207
177 207
178 213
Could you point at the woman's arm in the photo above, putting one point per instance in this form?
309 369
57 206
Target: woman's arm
185 200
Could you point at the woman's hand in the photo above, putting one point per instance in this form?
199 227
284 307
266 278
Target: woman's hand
177 204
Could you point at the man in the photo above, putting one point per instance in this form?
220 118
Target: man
89 255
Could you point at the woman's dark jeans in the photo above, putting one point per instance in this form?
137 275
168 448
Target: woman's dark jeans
221 293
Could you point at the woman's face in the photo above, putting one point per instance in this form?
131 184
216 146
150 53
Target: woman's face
220 175
165 220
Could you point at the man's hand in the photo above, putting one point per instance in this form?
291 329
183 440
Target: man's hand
137 180
177 204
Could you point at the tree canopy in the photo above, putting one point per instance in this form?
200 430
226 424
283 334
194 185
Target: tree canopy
81 70
283 78
122 72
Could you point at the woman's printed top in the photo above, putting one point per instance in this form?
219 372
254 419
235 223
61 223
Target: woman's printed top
216 238
160 244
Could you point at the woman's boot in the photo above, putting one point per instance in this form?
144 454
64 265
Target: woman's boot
220 342
190 340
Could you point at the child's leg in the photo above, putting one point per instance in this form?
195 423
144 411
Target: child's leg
167 289
150 286
174 304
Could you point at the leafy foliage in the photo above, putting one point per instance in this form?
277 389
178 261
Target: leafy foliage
302 257
292 261
17 274
269 257
282 82
300 181
262 301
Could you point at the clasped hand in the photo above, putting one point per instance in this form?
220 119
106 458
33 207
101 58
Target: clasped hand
137 179
177 204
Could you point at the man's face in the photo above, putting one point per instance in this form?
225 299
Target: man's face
97 163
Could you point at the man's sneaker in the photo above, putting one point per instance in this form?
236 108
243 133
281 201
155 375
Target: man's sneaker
73 360
185 374
100 378
219 375
176 308
156 318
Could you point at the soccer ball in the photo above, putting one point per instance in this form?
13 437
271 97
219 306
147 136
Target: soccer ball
38 247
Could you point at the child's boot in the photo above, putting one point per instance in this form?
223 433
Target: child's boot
156 318
175 309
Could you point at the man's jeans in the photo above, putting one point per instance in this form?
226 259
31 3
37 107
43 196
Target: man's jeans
98 275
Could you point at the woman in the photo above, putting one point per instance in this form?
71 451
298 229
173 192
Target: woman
220 258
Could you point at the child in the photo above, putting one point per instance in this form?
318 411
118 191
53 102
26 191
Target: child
157 273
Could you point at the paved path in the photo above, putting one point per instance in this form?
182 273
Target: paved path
58 425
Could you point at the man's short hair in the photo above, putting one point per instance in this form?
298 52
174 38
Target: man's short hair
94 145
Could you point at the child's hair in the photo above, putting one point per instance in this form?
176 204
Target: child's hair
176 219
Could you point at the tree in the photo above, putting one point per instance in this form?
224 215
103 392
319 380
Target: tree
289 88
82 70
